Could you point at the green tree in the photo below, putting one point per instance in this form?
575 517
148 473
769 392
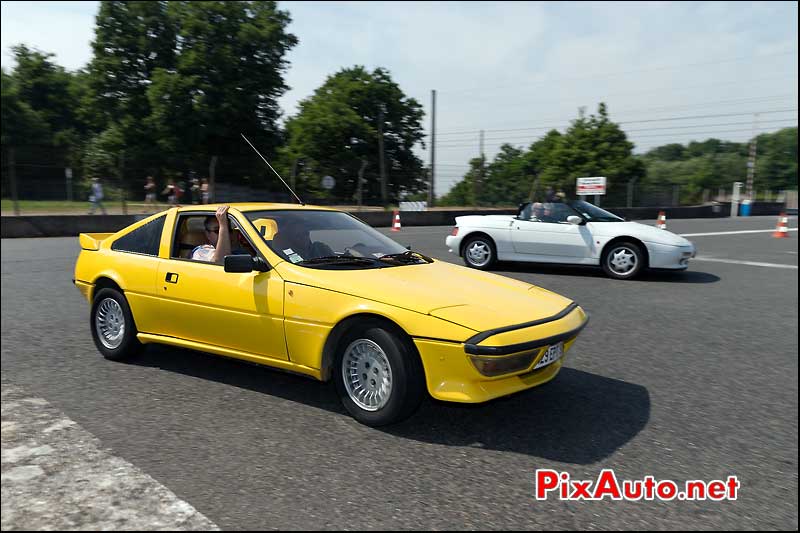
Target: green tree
776 161
463 192
594 146
132 40
46 88
228 75
337 128
20 124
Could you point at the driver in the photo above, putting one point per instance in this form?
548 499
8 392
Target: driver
294 241
542 212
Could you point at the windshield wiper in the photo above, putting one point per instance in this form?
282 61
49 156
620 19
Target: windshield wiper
406 257
339 259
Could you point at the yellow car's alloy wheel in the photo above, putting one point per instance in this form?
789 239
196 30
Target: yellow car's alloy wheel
367 374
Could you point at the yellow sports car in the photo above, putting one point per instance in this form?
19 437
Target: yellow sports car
316 291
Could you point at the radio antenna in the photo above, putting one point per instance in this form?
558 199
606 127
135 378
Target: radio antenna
272 169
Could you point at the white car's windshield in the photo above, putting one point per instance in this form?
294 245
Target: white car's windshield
592 213
321 239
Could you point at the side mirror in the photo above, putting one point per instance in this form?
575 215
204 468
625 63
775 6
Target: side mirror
575 220
245 263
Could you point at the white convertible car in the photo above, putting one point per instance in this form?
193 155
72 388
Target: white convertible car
572 232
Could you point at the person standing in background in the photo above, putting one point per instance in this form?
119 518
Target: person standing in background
96 197
204 195
195 191
149 193
169 190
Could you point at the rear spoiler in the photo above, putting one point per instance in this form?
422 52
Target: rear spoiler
91 241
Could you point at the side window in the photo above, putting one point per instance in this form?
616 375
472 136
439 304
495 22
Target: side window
144 240
190 234
560 212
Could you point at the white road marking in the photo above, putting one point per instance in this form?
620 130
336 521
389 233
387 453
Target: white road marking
732 232
58 476
748 263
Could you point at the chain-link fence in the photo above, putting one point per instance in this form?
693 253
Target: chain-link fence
48 180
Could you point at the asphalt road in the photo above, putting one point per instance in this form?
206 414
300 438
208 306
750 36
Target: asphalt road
680 376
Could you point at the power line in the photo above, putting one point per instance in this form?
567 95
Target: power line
613 75
623 112
516 102
666 119
511 142
460 142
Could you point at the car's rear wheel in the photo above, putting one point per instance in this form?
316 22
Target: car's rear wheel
623 260
113 330
378 376
479 252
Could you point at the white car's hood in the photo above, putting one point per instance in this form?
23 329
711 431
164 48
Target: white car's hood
641 231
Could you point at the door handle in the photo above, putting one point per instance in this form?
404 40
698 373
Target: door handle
172 277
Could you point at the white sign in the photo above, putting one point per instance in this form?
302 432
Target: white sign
328 182
413 206
590 186
68 173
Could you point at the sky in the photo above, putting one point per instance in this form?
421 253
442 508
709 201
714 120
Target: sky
668 71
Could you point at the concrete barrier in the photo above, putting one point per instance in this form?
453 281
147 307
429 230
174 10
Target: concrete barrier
72 225
63 225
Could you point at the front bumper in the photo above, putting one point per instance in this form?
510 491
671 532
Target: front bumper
670 257
451 375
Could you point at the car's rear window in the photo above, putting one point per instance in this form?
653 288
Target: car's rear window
143 240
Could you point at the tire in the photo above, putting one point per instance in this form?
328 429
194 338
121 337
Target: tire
623 260
113 329
388 383
479 252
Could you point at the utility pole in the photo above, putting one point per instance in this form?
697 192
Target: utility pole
751 160
12 175
294 173
384 188
432 177
631 185
122 182
360 182
478 184
212 179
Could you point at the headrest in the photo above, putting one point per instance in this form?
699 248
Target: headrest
266 227
194 225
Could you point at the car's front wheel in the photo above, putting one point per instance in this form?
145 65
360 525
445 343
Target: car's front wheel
623 260
378 376
113 330
479 252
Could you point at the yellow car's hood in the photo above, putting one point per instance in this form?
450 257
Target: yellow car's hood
471 298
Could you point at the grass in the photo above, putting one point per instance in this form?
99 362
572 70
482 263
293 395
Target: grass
64 207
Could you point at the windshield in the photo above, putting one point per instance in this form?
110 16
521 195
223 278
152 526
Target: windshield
322 239
592 213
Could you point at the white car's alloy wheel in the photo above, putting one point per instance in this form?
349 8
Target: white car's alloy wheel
479 253
622 260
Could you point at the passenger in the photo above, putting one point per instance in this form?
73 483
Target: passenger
538 212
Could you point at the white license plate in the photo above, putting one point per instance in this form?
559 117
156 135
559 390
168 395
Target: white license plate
552 355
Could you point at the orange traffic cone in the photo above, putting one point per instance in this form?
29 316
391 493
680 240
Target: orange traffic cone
661 223
396 225
782 230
